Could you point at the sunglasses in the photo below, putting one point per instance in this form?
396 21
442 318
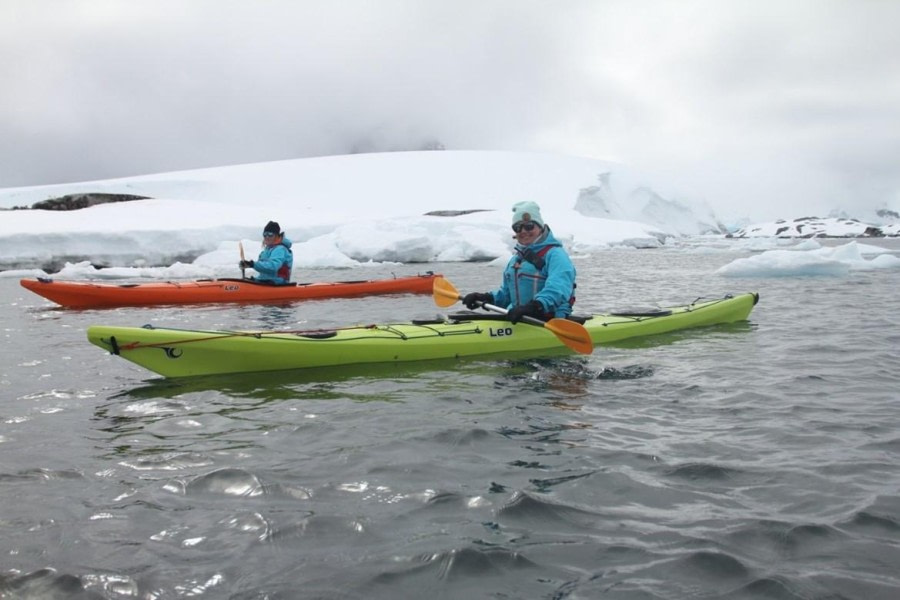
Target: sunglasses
527 226
268 234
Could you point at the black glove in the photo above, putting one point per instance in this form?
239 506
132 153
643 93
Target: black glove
476 299
246 264
532 309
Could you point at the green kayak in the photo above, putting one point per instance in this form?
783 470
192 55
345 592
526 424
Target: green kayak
186 353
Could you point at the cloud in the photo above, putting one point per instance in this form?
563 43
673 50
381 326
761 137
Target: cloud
761 104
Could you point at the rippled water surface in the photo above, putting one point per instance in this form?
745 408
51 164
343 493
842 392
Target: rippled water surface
753 460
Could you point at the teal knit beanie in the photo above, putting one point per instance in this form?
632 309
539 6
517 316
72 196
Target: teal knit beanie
527 211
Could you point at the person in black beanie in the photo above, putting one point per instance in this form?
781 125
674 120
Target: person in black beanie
275 260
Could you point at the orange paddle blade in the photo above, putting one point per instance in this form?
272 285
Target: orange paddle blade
444 293
572 334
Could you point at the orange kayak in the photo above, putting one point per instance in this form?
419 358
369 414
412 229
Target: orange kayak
88 294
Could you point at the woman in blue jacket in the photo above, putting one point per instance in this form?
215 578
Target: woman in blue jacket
275 260
539 280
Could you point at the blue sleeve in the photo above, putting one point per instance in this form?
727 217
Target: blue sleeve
271 263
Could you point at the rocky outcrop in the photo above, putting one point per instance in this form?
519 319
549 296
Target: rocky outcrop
78 201
455 213
814 227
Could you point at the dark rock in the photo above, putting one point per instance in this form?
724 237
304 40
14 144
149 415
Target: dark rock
78 201
454 213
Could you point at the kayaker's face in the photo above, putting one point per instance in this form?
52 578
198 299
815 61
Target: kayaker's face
527 232
271 240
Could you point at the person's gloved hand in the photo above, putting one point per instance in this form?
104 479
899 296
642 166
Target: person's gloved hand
476 299
246 264
531 309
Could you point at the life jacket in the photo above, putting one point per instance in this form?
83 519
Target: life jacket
284 271
537 259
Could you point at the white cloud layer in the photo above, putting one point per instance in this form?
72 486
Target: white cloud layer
751 106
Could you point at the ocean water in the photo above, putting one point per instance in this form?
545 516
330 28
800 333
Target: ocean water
752 460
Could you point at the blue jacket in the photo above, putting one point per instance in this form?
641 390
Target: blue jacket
275 263
553 284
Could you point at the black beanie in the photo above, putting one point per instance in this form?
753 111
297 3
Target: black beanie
272 227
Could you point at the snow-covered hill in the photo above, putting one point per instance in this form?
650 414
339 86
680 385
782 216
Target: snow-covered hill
346 210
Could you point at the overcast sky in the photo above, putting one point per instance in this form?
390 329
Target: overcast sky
775 103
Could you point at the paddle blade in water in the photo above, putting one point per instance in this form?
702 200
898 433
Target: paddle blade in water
572 334
444 293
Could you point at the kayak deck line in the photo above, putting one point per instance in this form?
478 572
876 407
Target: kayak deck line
320 334
284 335
194 282
636 316
187 353
700 303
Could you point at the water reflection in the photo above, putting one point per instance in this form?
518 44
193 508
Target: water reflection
267 316
164 422
711 332
315 383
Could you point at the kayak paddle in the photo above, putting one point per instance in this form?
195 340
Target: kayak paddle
241 246
570 333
